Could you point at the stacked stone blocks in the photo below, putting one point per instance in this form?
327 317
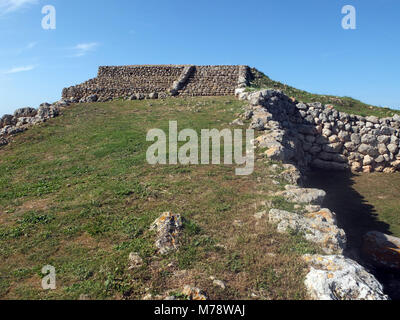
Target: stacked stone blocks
143 80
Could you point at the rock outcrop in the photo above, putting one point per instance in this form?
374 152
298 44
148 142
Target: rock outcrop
339 278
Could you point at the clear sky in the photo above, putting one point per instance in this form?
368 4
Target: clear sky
301 43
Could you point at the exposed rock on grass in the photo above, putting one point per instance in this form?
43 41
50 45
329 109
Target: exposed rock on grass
315 227
304 195
168 227
135 261
194 293
339 278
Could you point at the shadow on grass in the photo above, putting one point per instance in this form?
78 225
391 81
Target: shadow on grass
354 214
356 217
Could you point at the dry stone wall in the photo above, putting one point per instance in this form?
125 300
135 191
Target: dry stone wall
284 132
139 82
314 135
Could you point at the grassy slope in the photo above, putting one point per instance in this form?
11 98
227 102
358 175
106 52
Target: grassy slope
343 104
77 193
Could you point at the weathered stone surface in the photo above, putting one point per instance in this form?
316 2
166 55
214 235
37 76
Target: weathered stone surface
3 142
46 111
220 284
135 261
339 278
291 174
195 294
318 228
25 112
382 250
304 195
168 227
323 137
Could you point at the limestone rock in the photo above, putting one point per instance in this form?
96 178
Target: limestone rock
194 294
168 227
135 261
319 228
220 284
153 95
339 278
25 112
304 195
382 250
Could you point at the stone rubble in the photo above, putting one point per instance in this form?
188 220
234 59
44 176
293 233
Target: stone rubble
24 118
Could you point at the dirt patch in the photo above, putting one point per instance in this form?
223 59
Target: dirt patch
36 204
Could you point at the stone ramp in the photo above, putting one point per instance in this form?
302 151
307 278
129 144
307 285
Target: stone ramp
212 81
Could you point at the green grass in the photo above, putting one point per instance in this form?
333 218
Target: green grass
343 104
77 193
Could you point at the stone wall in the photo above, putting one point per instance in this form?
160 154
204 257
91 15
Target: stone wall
212 81
319 136
289 130
142 80
116 82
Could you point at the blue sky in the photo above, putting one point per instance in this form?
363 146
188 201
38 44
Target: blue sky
301 43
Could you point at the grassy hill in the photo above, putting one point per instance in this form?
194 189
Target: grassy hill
77 193
343 104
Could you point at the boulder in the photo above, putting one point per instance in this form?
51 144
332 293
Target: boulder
140 96
396 118
372 119
92 98
304 195
340 278
291 174
25 112
382 250
3 141
368 150
8 120
318 227
48 111
393 148
153 95
135 261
